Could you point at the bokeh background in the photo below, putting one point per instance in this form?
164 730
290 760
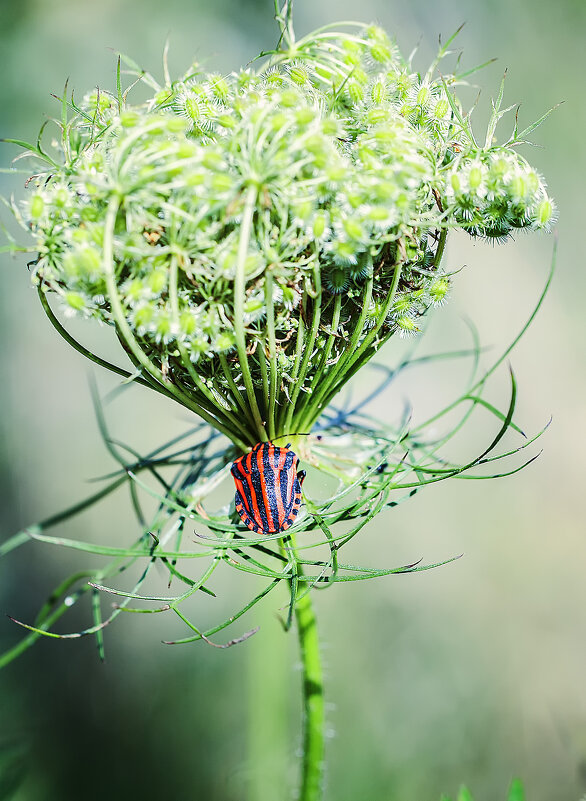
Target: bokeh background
474 672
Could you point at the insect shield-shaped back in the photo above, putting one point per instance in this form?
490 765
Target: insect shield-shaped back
268 489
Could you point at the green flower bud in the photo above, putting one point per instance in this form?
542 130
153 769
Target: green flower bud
157 281
83 262
350 46
37 207
198 347
474 178
423 97
545 213
193 108
74 300
376 116
335 280
62 197
385 190
303 209
378 92
176 125
222 182
441 108
90 213
212 160
331 127
336 173
162 326
274 78
380 53
298 74
187 322
289 99
253 305
406 325
323 72
304 116
99 101
195 179
164 96
533 182
355 92
518 188
224 341
134 291
438 290
353 229
143 317
352 59
378 213
319 225
219 87
226 121
402 304
344 251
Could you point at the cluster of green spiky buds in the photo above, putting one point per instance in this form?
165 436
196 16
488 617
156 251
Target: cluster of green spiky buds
255 238
495 191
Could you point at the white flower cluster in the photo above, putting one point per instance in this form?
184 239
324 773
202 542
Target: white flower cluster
301 209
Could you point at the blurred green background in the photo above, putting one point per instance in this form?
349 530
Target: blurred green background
473 672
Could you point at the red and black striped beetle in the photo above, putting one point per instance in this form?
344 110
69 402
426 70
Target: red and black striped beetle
268 488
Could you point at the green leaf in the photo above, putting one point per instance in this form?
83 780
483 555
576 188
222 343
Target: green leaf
106 550
518 138
465 794
497 413
119 86
33 150
461 75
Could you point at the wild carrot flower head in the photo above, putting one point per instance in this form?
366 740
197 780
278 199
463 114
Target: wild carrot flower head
255 238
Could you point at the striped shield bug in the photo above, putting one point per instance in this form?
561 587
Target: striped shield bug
268 488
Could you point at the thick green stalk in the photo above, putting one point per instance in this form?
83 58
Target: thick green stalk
313 701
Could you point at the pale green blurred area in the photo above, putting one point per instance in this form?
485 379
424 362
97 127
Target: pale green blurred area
473 672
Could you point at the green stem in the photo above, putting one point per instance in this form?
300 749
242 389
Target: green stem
318 375
339 369
239 294
91 356
313 701
127 335
264 377
272 348
235 391
311 414
227 416
316 303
